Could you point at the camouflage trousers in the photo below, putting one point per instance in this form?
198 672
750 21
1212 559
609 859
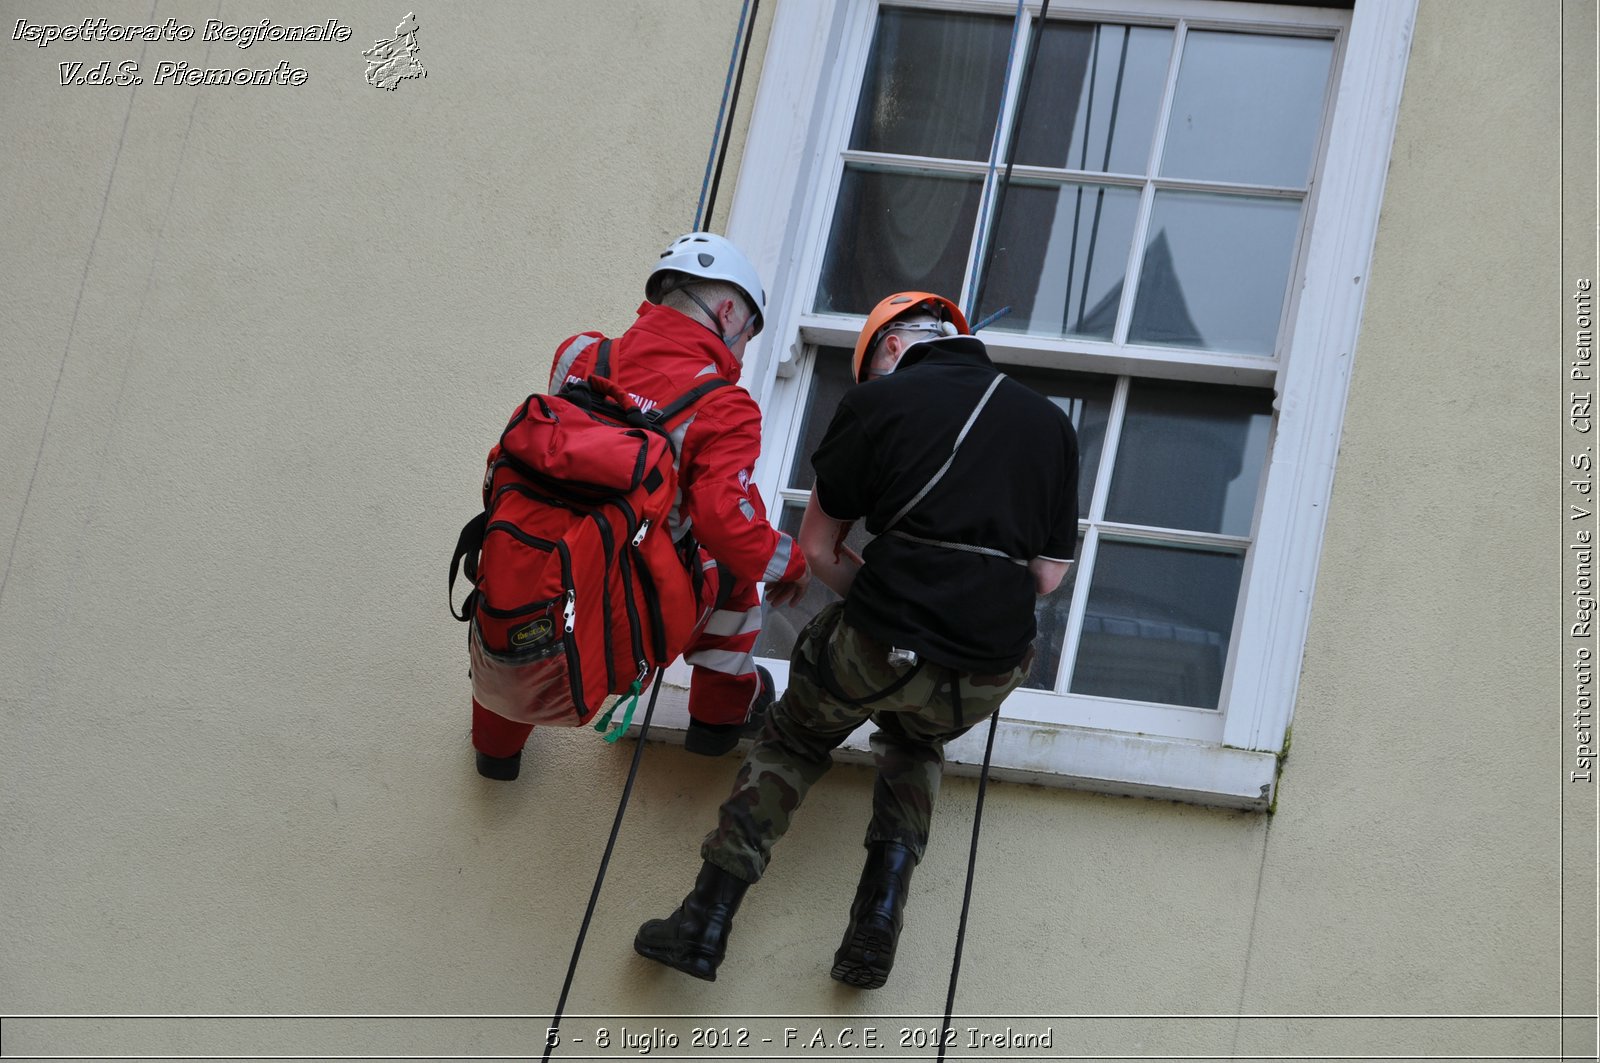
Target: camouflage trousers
839 678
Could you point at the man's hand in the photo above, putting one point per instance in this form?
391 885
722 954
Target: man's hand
842 554
791 592
822 541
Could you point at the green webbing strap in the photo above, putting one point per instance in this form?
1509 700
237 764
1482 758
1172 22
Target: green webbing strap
632 697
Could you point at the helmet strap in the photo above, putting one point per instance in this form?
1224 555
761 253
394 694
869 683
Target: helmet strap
715 327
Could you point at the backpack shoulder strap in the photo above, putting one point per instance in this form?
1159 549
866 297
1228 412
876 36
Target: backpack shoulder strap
656 419
662 414
466 559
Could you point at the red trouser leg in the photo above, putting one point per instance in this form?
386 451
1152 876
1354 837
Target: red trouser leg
494 734
724 682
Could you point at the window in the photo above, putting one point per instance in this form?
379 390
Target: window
1191 181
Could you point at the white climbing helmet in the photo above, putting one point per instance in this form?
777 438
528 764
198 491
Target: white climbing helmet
707 256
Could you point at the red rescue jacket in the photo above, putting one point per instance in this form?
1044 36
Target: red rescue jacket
663 355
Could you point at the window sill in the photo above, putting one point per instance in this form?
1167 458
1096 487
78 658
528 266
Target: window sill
1077 758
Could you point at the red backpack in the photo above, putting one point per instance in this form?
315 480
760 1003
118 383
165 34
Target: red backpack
578 590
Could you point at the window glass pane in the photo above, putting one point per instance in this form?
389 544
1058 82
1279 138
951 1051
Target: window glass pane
1060 259
932 85
1158 623
896 232
781 624
1086 400
1050 614
1215 272
1190 456
1095 97
1247 109
830 379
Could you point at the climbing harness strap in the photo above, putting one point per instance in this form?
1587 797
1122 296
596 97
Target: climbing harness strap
965 547
830 682
961 437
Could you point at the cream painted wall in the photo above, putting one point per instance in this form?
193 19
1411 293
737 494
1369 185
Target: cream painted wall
255 343
1413 850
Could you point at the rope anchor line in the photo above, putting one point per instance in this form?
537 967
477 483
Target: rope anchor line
551 1040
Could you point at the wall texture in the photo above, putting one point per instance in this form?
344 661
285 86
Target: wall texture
252 350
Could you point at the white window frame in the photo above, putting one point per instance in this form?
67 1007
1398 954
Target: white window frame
780 215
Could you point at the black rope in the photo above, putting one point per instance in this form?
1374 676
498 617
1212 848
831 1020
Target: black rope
703 222
966 898
599 879
977 305
1011 157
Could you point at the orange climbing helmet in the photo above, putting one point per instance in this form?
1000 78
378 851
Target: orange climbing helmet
952 322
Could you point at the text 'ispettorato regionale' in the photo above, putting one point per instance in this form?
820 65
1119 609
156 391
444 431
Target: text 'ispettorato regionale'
103 30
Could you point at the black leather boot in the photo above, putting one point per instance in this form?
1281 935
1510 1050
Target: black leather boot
694 938
867 952
715 739
503 769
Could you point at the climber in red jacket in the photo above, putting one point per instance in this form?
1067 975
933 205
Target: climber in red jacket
703 303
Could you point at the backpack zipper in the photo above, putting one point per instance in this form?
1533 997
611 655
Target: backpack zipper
647 587
569 618
624 563
608 546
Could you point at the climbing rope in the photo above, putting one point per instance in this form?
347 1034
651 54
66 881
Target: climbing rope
605 860
986 259
703 210
985 214
730 100
966 897
731 85
612 734
986 248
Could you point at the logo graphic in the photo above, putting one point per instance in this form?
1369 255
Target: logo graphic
532 634
391 62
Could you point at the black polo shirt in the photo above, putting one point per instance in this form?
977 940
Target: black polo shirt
1013 488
